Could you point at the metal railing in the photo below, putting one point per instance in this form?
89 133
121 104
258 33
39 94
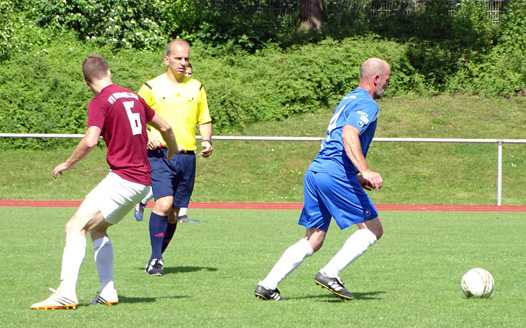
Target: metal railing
498 142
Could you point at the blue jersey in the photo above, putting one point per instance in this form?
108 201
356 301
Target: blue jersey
359 110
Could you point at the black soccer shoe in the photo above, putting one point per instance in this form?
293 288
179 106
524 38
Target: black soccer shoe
334 285
267 294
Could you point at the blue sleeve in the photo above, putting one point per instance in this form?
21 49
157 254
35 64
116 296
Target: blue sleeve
361 116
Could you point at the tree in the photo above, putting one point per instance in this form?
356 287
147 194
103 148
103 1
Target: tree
311 13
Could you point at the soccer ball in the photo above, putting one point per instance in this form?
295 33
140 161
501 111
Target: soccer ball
477 282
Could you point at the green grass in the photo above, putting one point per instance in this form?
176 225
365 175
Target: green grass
273 171
410 278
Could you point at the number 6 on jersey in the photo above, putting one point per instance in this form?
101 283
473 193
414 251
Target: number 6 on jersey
134 118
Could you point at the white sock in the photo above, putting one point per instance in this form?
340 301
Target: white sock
74 252
182 211
290 260
103 254
353 247
148 196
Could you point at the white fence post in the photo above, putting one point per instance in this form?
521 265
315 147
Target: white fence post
499 173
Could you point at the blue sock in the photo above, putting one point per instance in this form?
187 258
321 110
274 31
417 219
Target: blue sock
158 224
170 231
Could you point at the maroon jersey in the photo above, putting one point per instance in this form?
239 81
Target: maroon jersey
122 116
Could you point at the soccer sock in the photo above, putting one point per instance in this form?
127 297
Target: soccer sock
290 260
353 247
158 224
147 197
170 231
103 254
72 257
182 211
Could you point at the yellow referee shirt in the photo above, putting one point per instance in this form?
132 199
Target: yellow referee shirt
183 105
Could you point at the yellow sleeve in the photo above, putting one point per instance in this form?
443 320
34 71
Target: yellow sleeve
203 115
147 94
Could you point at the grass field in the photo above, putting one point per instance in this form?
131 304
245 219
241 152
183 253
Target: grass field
410 278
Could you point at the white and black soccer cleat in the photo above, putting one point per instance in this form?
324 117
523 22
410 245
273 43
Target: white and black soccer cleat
334 285
106 297
267 294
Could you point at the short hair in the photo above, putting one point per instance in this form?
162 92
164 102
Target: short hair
168 48
94 67
373 66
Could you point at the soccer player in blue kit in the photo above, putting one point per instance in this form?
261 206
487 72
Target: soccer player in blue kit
334 187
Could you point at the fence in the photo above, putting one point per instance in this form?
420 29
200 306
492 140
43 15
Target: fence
494 8
498 142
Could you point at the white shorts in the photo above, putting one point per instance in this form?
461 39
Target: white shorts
114 197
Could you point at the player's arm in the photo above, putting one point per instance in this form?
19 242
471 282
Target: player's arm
206 139
205 123
166 131
353 149
86 144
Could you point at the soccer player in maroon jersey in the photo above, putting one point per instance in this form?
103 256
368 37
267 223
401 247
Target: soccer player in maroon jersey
119 116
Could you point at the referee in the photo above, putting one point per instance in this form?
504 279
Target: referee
181 101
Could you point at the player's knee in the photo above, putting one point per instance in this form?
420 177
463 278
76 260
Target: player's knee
316 239
162 209
375 226
316 245
97 233
378 231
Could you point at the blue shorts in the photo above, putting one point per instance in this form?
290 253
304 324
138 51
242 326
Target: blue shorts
342 198
174 177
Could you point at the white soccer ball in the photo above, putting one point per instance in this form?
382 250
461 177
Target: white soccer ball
477 282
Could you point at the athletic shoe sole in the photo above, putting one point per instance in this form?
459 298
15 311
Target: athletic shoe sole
102 301
343 297
55 307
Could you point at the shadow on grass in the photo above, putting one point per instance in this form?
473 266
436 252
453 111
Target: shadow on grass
365 296
185 269
134 299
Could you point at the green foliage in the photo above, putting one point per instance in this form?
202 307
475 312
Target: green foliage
472 27
503 70
43 92
116 23
49 96
274 84
7 28
249 24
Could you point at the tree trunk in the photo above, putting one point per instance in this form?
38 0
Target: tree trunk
311 13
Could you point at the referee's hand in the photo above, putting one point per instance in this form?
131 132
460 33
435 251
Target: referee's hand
207 148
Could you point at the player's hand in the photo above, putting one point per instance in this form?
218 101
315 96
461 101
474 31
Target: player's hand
374 179
60 168
207 148
364 183
153 144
